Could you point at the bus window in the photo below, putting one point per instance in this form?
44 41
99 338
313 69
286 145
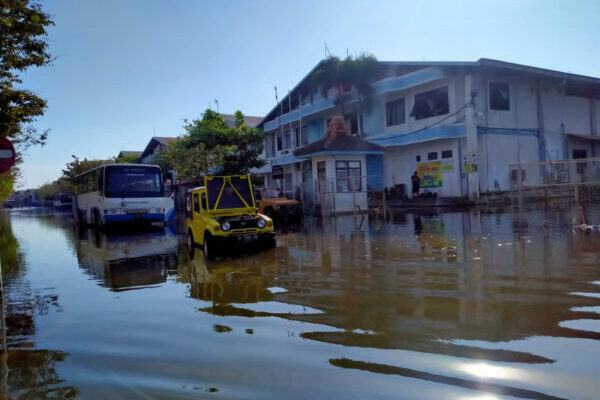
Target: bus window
196 203
101 181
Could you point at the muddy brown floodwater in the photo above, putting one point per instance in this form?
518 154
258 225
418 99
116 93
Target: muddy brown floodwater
462 305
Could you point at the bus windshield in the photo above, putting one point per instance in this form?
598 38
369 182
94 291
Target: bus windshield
133 181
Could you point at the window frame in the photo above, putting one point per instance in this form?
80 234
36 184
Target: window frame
490 83
352 184
421 96
446 153
430 157
388 104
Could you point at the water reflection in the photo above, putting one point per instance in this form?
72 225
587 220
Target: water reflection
463 301
129 259
26 373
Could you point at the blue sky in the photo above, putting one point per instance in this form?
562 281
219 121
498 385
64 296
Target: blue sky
128 70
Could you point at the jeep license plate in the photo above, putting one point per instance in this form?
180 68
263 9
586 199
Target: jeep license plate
248 238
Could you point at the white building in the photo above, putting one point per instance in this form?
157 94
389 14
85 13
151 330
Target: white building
460 124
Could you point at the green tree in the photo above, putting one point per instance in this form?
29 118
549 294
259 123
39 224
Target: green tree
356 73
127 159
23 44
77 166
210 146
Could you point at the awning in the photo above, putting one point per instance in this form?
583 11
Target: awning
593 138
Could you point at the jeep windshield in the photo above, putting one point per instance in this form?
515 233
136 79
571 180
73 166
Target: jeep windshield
271 194
229 193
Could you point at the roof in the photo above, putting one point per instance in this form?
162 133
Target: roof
592 138
155 141
250 121
581 83
339 144
129 153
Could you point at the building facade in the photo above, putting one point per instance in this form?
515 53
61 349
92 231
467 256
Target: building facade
458 124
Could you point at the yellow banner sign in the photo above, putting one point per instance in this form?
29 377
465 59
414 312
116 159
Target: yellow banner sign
430 174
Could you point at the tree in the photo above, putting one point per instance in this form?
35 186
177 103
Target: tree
23 44
77 166
343 76
127 159
210 146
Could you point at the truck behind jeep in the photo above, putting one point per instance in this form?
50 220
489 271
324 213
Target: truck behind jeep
272 203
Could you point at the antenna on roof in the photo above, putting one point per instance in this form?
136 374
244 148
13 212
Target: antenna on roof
327 52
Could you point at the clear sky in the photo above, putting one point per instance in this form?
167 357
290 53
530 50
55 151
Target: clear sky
128 70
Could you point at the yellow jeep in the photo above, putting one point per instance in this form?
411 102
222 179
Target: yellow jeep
223 213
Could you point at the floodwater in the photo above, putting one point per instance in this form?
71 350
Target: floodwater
462 305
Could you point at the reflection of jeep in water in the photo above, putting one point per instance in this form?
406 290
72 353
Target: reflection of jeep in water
273 203
223 212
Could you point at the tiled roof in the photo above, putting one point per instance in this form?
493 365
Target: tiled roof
250 121
339 143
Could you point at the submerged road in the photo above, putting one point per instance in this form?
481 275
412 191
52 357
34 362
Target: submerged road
426 306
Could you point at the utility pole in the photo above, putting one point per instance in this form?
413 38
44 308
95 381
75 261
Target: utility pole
217 105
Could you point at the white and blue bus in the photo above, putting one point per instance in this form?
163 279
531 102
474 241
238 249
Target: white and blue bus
115 193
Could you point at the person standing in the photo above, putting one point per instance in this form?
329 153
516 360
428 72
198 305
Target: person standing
416 183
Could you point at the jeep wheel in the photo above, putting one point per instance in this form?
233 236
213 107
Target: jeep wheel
190 244
208 246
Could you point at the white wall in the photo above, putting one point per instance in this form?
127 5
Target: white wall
345 201
399 163
497 152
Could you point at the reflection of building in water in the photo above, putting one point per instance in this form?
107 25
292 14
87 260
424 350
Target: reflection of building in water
442 284
128 261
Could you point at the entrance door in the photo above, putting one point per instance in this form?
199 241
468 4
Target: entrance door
577 154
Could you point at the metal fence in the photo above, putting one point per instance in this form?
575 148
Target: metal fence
569 183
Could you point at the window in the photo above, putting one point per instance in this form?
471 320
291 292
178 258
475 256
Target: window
321 176
279 144
499 96
447 154
204 204
196 203
298 137
432 156
418 158
394 111
348 176
431 103
352 121
304 135
287 140
287 182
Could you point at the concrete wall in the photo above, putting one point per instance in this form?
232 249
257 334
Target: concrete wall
400 163
497 151
339 201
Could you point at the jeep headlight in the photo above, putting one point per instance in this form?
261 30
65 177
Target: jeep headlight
261 223
225 226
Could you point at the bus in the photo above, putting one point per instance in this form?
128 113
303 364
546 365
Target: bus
114 193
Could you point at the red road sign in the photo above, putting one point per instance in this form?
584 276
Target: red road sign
7 155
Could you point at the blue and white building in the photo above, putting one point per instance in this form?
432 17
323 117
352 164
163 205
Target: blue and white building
468 119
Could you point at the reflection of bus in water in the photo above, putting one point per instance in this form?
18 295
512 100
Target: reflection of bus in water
121 193
124 262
